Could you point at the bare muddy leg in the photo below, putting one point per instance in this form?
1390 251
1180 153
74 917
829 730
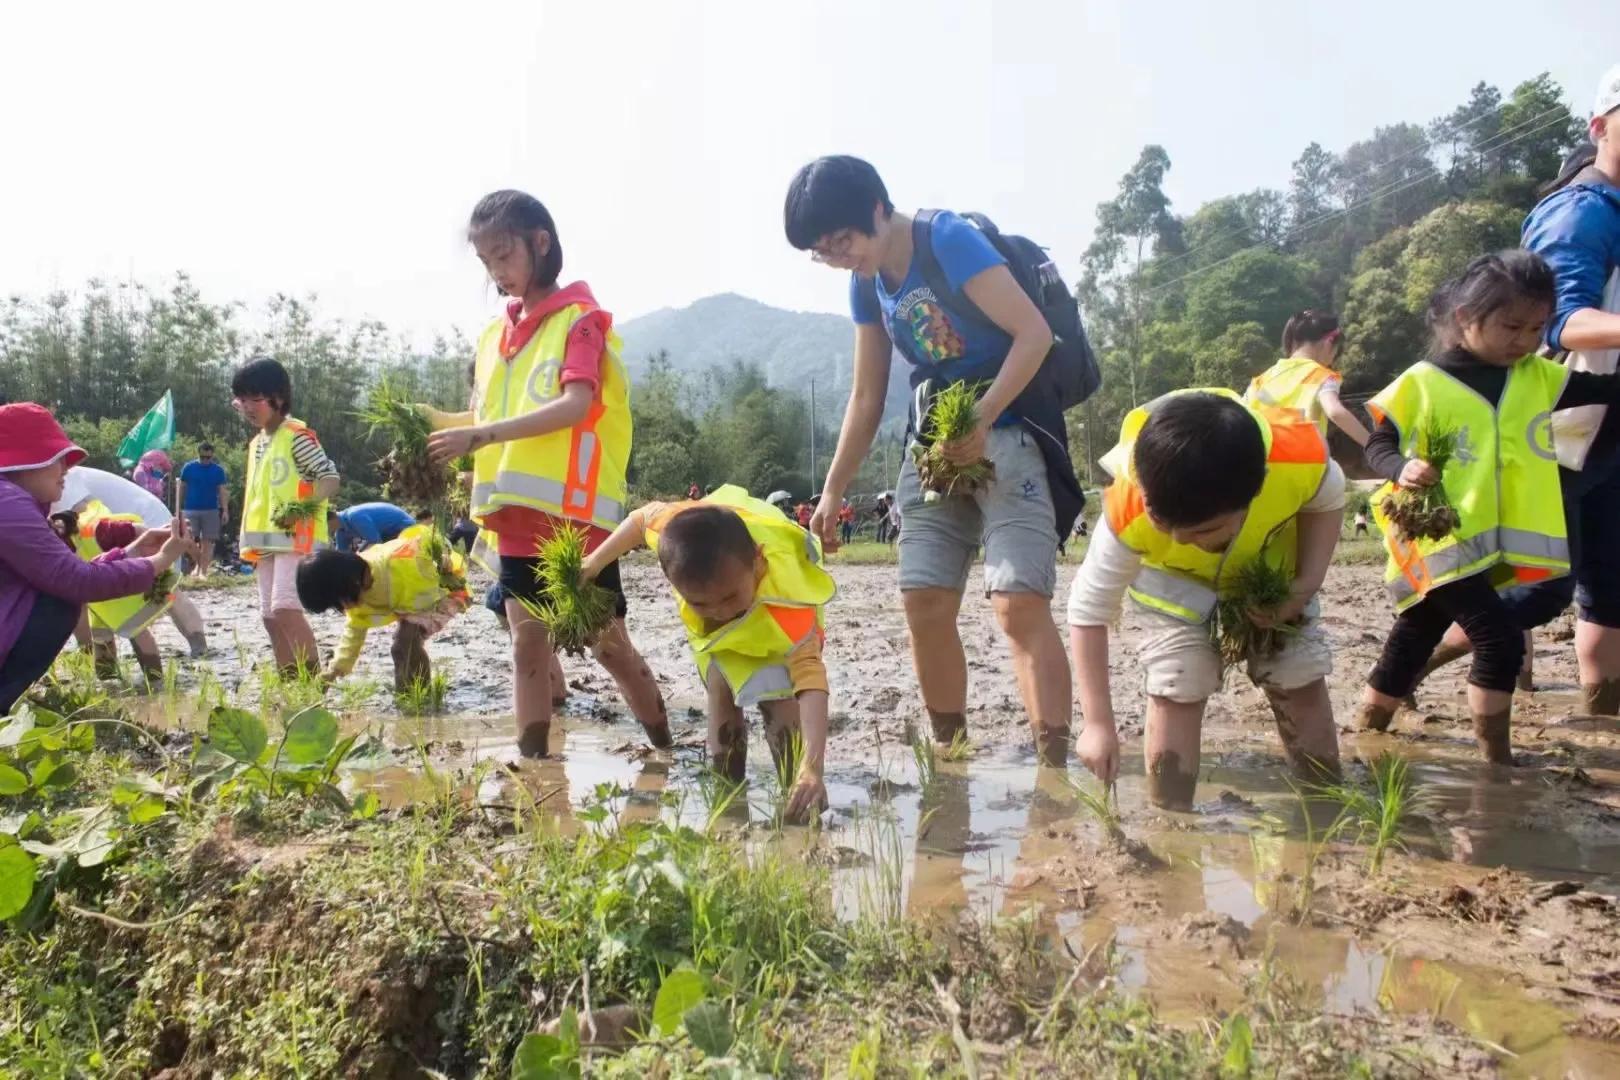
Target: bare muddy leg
1601 698
947 725
1170 783
728 730
1491 730
1305 726
1170 744
635 682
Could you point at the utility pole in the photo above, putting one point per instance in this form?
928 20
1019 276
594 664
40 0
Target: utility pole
813 474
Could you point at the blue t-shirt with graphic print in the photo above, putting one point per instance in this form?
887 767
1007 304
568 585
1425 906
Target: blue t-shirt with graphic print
937 341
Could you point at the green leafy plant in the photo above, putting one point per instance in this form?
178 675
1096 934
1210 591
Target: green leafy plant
960 749
239 759
1377 814
424 696
1425 513
162 586
1102 806
1256 586
573 611
952 414
408 474
290 514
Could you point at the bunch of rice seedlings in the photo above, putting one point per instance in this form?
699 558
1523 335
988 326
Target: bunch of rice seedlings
1258 586
287 516
1425 513
460 493
438 550
162 586
952 415
573 611
408 475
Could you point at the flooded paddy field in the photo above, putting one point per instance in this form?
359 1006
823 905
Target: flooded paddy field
458 912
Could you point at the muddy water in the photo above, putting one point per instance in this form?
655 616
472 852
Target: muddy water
999 835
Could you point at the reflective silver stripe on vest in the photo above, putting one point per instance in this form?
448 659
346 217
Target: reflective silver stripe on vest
485 555
1183 592
1534 545
608 512
767 684
268 541
141 619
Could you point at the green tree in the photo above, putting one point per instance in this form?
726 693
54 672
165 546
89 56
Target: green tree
1448 237
1241 352
1382 335
1254 286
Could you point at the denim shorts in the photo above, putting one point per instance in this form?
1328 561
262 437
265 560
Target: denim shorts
1012 519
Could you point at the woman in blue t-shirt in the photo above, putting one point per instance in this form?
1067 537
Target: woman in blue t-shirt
839 210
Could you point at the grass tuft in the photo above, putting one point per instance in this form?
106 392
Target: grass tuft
1258 586
573 611
953 414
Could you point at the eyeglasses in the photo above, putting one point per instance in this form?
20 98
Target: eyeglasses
834 246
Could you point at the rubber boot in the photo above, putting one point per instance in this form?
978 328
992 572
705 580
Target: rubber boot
1602 698
1374 718
1492 734
947 726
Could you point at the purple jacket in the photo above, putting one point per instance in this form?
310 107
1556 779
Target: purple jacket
33 560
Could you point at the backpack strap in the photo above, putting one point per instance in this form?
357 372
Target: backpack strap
933 275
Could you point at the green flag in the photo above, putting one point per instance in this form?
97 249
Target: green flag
154 431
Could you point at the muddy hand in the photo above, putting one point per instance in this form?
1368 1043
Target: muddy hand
1098 750
968 449
807 799
1418 473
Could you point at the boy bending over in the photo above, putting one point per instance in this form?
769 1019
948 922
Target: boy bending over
750 587
1203 485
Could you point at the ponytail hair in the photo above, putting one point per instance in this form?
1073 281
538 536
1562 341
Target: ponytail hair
1306 327
1486 285
519 215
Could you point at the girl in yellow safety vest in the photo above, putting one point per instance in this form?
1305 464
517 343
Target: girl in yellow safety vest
1306 380
1484 384
550 439
417 581
751 589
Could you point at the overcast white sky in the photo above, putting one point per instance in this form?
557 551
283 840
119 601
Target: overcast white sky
337 147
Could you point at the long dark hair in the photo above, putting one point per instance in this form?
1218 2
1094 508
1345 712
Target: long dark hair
519 214
1488 284
1306 327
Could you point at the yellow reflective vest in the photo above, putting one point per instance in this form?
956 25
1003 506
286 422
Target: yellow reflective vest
576 472
1502 479
406 579
272 480
1293 383
127 615
752 650
1185 581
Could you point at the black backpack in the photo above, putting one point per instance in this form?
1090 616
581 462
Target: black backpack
1070 373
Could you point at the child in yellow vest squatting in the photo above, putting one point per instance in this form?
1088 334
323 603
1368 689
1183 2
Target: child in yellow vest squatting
96 530
550 439
750 588
1205 485
1306 379
289 480
1484 389
417 581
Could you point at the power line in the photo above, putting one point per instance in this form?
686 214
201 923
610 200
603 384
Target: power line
1487 148
1392 189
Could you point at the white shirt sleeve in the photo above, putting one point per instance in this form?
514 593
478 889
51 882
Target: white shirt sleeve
1330 387
1098 591
1330 495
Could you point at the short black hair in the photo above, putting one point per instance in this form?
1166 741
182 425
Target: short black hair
519 214
698 541
1199 456
833 193
263 377
329 580
207 446
1486 285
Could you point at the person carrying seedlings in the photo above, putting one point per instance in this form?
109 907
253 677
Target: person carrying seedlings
1576 229
289 481
1217 506
99 530
417 581
43 583
1485 394
936 288
549 432
1307 379
750 588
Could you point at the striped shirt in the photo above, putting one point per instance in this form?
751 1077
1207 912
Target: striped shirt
310 459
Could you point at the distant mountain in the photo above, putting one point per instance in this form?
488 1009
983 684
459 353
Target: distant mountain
791 347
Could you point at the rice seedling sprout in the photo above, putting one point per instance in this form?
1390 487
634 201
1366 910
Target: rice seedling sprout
952 414
1425 513
573 611
1256 586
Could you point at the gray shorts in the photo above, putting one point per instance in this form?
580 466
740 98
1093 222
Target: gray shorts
1013 520
202 524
